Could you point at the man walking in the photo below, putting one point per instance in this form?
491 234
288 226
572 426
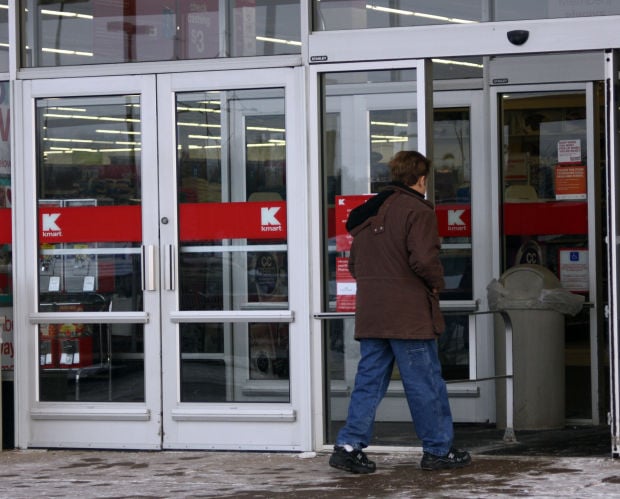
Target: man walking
395 261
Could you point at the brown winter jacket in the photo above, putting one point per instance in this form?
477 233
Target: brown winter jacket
395 261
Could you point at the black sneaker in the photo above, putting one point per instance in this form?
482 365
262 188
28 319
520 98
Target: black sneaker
349 459
453 459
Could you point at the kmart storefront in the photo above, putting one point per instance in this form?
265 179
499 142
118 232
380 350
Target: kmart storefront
180 173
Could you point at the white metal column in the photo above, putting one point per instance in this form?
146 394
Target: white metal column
613 236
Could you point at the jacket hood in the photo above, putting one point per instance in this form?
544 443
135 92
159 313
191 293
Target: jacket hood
371 207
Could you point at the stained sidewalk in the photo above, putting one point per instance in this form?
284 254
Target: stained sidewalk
165 474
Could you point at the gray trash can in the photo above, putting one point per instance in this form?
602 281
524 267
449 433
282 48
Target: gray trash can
536 303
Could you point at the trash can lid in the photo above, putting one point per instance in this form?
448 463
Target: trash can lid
527 280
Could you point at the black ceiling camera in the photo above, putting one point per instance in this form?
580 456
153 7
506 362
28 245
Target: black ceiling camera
518 36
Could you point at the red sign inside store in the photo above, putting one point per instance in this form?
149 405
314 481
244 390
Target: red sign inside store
344 206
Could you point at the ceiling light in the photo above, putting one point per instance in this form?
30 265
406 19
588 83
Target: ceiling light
67 52
458 63
277 40
62 13
418 14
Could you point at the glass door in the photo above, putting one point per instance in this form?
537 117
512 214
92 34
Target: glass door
369 114
158 262
550 164
88 366
230 287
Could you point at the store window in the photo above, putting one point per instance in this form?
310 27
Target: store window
357 14
88 173
509 10
61 33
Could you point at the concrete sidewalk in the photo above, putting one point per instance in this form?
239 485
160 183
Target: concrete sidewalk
117 474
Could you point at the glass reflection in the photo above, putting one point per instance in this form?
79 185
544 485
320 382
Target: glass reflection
344 14
452 188
507 10
60 33
4 36
91 363
231 171
235 362
89 199
232 195
393 426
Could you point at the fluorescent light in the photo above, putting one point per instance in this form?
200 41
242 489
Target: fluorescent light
205 137
389 10
128 149
67 52
124 132
278 40
458 63
199 109
201 147
62 13
265 129
203 125
389 123
267 144
86 117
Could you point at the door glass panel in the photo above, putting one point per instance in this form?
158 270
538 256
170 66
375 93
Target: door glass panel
59 33
452 187
89 199
231 168
367 117
545 210
378 108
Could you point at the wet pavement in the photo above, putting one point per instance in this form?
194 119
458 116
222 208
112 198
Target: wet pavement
120 474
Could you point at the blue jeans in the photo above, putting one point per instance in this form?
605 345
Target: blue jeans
420 371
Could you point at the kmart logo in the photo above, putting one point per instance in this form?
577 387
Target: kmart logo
49 226
455 220
268 219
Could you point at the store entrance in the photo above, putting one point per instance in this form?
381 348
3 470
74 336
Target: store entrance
160 311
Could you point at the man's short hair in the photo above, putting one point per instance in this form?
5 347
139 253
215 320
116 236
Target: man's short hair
408 166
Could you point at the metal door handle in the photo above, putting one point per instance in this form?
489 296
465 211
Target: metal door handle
148 268
169 267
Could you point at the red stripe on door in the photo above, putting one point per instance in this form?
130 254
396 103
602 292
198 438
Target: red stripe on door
90 224
216 221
